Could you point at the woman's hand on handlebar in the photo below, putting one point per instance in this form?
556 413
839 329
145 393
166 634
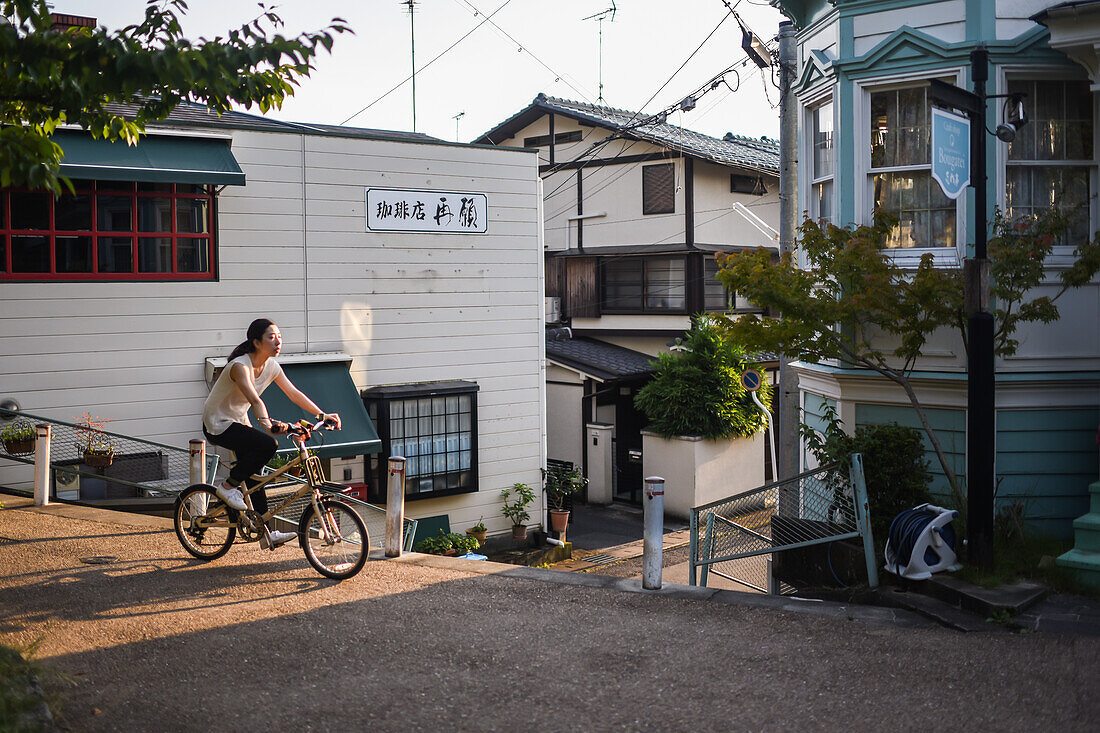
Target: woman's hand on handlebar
331 418
278 427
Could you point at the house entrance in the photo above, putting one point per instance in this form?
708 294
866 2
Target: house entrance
628 447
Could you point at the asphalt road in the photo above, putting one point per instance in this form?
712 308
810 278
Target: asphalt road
257 641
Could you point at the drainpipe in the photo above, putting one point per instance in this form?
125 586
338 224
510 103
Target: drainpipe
305 249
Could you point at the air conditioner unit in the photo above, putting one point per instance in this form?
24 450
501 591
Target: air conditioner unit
553 310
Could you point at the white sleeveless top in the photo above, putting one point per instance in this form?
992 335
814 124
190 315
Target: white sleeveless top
227 404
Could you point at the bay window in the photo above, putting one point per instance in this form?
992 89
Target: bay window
900 174
822 162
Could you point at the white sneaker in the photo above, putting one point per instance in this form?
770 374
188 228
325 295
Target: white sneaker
274 538
232 497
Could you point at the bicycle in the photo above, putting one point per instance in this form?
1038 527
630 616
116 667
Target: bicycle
331 533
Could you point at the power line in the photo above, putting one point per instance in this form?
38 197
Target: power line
425 66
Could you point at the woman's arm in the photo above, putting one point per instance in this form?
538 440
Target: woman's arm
299 398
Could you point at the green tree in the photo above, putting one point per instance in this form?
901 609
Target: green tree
698 391
55 77
851 299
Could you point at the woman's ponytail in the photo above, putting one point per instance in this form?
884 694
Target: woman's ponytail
256 331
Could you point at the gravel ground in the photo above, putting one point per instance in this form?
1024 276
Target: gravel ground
157 641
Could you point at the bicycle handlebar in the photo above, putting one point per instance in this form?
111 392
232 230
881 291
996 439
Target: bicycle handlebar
302 430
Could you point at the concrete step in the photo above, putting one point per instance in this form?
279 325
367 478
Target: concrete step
985 602
1094 497
1086 532
1084 564
942 613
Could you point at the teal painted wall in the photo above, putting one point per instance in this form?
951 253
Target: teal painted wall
1046 460
950 427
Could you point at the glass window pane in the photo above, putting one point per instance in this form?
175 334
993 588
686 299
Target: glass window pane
824 163
73 254
664 284
30 211
192 216
3 253
452 405
154 214
622 281
155 187
115 254
155 254
30 254
192 255
715 295
396 410
926 216
900 127
73 213
114 214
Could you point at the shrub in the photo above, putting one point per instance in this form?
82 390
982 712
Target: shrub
698 391
893 463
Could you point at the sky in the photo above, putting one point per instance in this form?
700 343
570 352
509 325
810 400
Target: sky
526 47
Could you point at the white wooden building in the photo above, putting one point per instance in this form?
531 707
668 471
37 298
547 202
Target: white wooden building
118 301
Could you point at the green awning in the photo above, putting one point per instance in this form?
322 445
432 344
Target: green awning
329 385
155 159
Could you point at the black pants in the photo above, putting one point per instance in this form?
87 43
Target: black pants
253 449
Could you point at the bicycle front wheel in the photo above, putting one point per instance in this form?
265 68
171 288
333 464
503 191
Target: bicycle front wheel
335 541
202 523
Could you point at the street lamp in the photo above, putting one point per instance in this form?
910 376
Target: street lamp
753 47
981 385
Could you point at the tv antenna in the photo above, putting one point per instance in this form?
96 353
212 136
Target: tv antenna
456 118
600 17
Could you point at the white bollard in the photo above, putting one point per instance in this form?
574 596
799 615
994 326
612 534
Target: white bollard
653 537
42 466
198 475
395 507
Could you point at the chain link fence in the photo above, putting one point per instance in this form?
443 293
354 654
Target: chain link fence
736 537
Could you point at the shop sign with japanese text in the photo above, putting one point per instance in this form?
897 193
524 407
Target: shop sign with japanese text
440 212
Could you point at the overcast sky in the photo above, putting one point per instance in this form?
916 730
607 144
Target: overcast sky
487 76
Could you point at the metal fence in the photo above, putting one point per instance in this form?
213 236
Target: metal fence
736 537
136 468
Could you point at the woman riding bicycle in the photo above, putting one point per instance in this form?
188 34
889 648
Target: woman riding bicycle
251 367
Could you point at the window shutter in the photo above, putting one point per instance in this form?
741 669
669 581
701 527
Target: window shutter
658 189
582 291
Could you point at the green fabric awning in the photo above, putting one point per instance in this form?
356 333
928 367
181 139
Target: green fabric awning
329 385
155 159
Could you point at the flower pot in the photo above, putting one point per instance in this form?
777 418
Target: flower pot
559 520
451 552
19 447
519 531
98 460
479 536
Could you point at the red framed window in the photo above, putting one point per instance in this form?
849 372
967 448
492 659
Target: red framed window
108 230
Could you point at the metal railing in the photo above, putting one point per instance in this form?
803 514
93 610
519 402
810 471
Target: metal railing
136 468
824 505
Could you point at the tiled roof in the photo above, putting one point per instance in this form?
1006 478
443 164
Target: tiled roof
602 360
760 155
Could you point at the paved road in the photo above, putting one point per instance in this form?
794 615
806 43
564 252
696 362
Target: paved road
257 641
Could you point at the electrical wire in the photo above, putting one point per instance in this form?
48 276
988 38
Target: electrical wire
425 66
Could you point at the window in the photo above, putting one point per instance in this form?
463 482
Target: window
1050 159
434 426
643 285
715 295
658 189
822 162
747 184
108 231
901 178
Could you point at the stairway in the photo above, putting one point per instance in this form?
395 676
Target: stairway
1084 558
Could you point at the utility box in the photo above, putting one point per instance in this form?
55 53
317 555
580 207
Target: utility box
600 467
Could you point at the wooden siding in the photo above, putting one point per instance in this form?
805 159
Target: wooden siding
582 288
1046 460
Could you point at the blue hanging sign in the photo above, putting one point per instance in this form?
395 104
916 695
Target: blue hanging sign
950 152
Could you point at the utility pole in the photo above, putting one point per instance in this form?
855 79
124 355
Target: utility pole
412 49
789 413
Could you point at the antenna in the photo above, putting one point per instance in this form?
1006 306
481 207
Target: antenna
412 49
608 14
456 118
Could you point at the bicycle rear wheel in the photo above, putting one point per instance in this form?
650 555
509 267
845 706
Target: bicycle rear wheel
335 542
202 523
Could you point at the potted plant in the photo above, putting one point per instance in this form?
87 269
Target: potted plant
516 501
18 438
440 545
95 445
561 482
478 531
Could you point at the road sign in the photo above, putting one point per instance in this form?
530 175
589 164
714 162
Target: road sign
751 379
950 152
